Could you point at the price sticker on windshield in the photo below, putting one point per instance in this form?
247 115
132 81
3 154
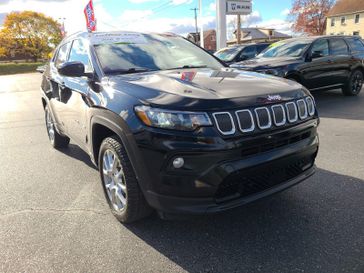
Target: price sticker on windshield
126 38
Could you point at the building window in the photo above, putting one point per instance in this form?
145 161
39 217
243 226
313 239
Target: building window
332 22
357 18
213 39
356 33
343 20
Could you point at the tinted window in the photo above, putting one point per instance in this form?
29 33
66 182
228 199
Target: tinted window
248 52
356 44
62 54
339 47
260 48
322 47
79 53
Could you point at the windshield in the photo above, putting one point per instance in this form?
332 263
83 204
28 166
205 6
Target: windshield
145 52
227 54
289 48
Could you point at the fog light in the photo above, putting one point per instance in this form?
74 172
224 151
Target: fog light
178 162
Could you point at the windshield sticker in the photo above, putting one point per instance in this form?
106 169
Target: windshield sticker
126 38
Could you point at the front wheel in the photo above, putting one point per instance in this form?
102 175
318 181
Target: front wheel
57 141
354 84
120 184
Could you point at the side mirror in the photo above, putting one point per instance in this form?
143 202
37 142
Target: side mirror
317 54
72 69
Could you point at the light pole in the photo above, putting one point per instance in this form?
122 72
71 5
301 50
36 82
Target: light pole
221 23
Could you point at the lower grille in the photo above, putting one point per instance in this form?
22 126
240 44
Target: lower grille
249 182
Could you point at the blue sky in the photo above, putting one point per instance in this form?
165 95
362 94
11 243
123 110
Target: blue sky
150 15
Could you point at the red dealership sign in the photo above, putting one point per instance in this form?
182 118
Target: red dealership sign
90 16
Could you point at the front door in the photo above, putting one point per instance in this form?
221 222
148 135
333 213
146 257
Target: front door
317 70
76 95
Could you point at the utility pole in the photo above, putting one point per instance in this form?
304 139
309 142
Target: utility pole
195 10
202 40
238 30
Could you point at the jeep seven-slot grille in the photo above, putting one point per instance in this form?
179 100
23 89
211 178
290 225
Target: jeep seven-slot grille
263 118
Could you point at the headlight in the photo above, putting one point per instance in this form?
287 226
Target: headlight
175 120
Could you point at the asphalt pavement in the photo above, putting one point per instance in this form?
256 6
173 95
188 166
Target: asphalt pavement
54 218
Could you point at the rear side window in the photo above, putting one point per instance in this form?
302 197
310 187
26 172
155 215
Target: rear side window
79 53
322 47
62 54
339 47
356 44
249 51
260 48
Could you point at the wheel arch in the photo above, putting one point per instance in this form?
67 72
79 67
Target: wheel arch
104 124
294 75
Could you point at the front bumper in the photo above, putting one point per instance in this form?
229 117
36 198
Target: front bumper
225 174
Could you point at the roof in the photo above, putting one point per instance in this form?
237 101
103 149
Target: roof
257 33
347 7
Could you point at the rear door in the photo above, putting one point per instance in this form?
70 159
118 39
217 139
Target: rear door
341 60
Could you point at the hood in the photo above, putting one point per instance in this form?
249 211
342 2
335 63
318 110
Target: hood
265 63
205 89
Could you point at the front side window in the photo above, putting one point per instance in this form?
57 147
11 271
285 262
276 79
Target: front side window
62 54
79 53
339 47
321 47
357 18
288 48
152 52
356 44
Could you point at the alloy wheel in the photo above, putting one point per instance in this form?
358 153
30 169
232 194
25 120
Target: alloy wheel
50 126
357 82
114 180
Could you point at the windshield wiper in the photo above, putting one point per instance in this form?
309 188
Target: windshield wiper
187 66
128 71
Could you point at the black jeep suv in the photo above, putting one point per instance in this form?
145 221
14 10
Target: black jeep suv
171 128
325 62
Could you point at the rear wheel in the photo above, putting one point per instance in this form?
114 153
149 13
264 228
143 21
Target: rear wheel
120 184
57 141
354 84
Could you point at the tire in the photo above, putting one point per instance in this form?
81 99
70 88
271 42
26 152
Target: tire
56 140
120 184
354 84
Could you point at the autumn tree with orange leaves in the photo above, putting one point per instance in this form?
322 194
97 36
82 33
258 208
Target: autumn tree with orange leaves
29 34
309 16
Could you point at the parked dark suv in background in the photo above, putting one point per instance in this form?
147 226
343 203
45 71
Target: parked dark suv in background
171 128
238 53
326 62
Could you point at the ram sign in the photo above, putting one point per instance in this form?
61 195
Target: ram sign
242 7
